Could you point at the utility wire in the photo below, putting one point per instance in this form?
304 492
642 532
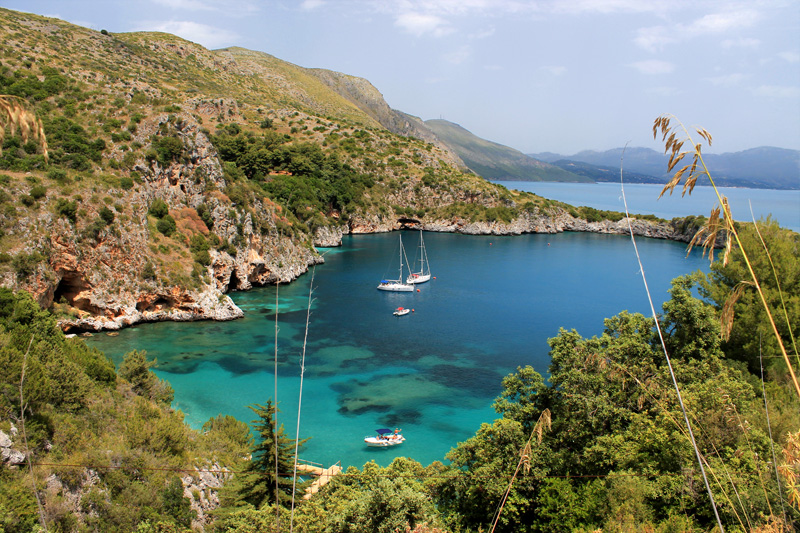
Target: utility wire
300 399
664 347
42 519
275 414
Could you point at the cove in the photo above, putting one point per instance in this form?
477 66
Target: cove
434 373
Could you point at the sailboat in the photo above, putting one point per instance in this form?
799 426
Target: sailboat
397 285
424 273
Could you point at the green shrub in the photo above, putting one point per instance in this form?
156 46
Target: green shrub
25 264
107 215
166 225
158 208
203 257
58 174
38 192
165 149
148 272
67 209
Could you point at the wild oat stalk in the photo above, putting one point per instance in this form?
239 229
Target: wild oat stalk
14 115
544 423
791 468
692 440
720 219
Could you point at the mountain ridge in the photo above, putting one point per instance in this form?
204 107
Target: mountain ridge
178 174
494 161
760 167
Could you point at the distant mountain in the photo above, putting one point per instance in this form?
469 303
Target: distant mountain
765 167
600 173
494 161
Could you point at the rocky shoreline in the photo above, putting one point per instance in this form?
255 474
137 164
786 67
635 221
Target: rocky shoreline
100 278
252 269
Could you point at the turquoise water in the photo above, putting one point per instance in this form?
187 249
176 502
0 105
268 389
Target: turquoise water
434 373
784 206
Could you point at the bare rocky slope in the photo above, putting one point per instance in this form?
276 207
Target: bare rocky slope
80 233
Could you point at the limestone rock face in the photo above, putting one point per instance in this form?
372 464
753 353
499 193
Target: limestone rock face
111 276
202 490
8 454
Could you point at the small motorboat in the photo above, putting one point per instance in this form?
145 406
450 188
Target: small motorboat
386 437
400 311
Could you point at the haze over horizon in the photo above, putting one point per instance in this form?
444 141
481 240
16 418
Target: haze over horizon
537 76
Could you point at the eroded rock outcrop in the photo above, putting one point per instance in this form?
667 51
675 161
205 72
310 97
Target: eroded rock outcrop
202 489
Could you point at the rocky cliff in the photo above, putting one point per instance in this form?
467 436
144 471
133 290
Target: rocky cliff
177 174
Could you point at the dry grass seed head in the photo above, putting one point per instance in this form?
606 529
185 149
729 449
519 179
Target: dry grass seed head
726 316
544 423
14 115
688 187
706 236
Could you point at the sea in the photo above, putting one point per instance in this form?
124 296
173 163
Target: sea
746 204
346 366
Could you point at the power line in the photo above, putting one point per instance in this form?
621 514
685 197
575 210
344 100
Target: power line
386 475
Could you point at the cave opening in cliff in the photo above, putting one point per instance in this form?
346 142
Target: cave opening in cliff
69 288
155 305
406 222
233 284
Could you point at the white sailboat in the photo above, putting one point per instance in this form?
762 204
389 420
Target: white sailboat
397 285
424 272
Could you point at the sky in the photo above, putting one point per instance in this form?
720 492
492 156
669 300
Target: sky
536 75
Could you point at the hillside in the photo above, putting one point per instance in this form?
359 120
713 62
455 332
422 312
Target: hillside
176 174
765 167
173 175
494 161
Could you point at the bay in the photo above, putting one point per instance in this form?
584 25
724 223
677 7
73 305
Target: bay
782 205
492 306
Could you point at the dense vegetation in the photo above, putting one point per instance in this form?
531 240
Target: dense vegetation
107 450
601 445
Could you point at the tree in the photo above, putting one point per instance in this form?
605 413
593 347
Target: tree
776 265
258 484
135 368
375 500
618 457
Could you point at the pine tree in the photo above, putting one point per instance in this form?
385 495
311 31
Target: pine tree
258 483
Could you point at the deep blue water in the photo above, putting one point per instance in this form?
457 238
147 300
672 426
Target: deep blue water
784 206
434 373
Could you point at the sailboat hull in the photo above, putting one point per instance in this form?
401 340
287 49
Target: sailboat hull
395 286
418 278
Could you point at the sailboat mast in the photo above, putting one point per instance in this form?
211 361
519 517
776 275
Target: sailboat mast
401 258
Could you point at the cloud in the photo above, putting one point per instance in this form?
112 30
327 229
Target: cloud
553 70
723 22
310 5
459 56
203 34
186 5
790 57
778 91
664 91
655 38
227 7
741 43
484 33
420 24
606 6
653 67
727 80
